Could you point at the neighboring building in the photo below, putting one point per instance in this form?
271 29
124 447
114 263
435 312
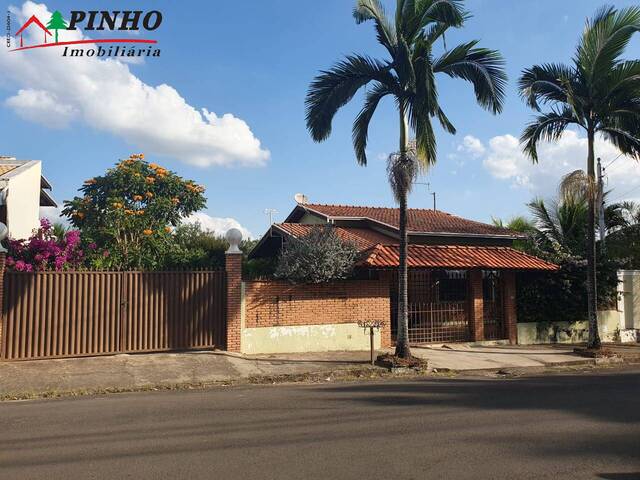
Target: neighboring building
23 190
462 272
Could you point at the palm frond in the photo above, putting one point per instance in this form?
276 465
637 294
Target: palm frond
366 10
482 67
575 186
360 131
546 127
420 14
544 84
604 39
627 142
332 89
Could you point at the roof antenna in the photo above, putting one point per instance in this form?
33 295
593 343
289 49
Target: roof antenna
271 212
428 184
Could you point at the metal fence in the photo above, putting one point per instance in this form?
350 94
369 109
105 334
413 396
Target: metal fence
493 306
437 306
69 314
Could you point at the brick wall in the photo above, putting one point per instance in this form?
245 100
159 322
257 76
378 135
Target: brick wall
3 258
510 315
275 303
233 267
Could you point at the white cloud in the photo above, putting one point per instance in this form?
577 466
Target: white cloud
218 225
104 94
54 215
504 160
471 145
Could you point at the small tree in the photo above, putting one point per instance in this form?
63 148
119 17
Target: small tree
130 211
57 23
318 257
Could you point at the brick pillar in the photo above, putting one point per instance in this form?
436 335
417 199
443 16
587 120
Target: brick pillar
476 314
233 267
385 314
510 313
3 258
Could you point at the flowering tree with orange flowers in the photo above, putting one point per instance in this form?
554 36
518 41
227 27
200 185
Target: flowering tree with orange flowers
128 213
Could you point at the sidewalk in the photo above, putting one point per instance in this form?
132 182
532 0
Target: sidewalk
465 357
173 370
163 370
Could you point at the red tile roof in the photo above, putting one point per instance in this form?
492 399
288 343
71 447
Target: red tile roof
363 238
454 257
418 220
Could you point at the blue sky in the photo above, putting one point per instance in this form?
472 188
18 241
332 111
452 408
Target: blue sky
254 60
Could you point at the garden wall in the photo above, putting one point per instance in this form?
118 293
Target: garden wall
531 333
278 317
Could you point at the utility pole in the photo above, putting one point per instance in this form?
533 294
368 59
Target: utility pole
600 200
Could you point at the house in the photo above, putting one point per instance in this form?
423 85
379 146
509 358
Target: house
23 190
462 273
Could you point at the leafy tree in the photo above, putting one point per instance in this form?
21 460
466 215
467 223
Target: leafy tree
408 75
130 211
318 257
600 93
56 22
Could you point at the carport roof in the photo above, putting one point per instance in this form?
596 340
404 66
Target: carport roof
454 257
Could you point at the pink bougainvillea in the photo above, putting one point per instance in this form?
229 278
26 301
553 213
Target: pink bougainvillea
44 251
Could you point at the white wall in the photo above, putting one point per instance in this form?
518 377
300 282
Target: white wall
23 199
629 304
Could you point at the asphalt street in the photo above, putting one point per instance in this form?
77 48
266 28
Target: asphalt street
560 426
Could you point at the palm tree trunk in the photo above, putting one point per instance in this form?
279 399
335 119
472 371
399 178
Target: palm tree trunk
402 339
592 302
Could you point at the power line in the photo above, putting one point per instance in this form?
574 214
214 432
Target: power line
613 161
619 197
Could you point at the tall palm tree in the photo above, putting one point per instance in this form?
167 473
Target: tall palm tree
408 75
600 93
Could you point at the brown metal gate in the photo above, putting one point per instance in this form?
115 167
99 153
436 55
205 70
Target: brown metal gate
492 310
69 314
437 306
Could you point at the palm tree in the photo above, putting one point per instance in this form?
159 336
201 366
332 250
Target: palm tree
409 77
600 93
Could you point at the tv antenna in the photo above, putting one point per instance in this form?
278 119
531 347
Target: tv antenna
433 194
271 212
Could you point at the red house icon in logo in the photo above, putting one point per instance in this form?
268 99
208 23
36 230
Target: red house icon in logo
35 20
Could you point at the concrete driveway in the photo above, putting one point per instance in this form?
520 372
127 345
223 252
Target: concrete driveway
459 356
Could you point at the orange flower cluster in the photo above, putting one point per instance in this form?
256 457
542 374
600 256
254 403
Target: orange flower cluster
175 200
167 229
80 215
150 180
137 198
147 231
195 188
117 205
149 194
136 156
134 212
90 181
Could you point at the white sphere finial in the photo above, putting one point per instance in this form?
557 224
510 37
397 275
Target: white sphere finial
3 234
234 237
